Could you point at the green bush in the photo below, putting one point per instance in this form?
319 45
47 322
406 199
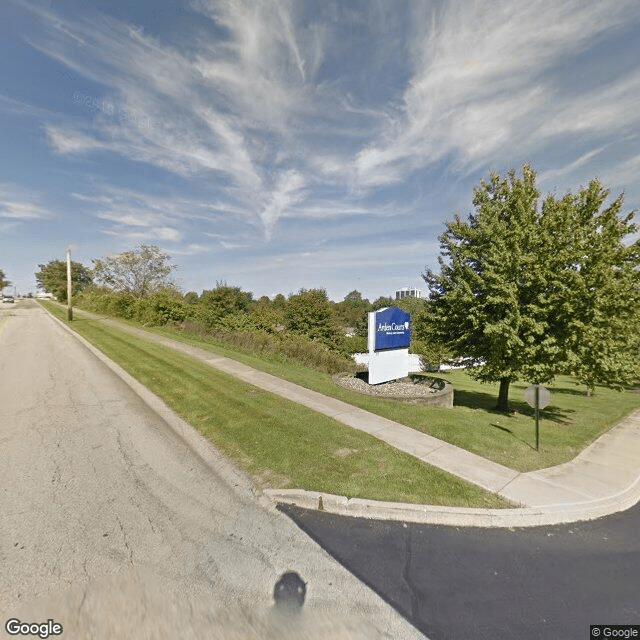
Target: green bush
254 332
309 314
355 344
241 322
101 300
159 309
432 355
294 347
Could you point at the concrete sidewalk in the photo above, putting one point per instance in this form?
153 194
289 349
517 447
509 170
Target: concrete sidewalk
603 479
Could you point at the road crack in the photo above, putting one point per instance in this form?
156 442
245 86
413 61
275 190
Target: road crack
406 569
126 542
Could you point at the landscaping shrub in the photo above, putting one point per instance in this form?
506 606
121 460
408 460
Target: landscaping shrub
100 300
159 309
355 344
294 347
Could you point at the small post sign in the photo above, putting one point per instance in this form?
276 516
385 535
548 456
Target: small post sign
388 342
537 397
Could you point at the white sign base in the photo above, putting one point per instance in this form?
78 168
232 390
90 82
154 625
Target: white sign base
388 365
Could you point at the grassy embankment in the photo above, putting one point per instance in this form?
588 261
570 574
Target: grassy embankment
570 423
281 444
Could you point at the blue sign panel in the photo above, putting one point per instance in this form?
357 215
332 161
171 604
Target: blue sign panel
393 329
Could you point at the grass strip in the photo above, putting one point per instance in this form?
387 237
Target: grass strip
281 444
571 422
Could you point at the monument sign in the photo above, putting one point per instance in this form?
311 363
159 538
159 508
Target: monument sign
388 341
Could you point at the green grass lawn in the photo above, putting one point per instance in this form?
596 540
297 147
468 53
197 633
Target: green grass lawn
570 422
281 444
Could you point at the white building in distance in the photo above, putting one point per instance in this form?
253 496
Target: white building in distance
408 292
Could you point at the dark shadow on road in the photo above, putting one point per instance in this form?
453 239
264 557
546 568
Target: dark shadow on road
458 583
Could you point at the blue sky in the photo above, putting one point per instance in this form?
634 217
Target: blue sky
279 145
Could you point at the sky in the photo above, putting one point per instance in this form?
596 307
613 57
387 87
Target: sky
279 145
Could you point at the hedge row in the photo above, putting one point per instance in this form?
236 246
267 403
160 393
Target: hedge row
249 331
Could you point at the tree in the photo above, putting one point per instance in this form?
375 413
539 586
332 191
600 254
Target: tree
309 313
52 278
141 271
520 288
382 302
266 316
3 280
597 317
217 304
280 302
352 309
411 305
227 299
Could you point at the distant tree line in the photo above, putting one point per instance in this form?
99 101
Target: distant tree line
527 289
137 285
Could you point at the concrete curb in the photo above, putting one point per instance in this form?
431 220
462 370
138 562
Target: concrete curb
458 516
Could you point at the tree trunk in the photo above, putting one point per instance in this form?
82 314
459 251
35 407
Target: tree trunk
503 395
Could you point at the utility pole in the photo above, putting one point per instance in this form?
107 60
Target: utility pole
69 309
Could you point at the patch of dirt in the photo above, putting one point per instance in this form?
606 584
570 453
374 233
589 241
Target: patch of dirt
269 479
343 453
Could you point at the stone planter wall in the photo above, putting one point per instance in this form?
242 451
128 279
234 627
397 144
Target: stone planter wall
403 390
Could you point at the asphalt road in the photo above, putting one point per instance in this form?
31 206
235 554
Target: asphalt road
115 527
541 583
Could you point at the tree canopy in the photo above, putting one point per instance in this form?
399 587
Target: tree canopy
142 271
309 313
352 309
530 291
52 278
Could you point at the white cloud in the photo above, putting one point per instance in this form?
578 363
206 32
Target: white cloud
264 122
624 173
479 83
567 170
288 191
16 204
7 227
609 109
146 235
71 142
191 250
21 210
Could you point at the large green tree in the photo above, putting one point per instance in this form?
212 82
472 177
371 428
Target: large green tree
141 271
309 313
597 298
530 291
52 278
226 306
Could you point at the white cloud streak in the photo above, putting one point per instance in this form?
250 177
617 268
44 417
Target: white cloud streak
479 83
16 205
257 115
